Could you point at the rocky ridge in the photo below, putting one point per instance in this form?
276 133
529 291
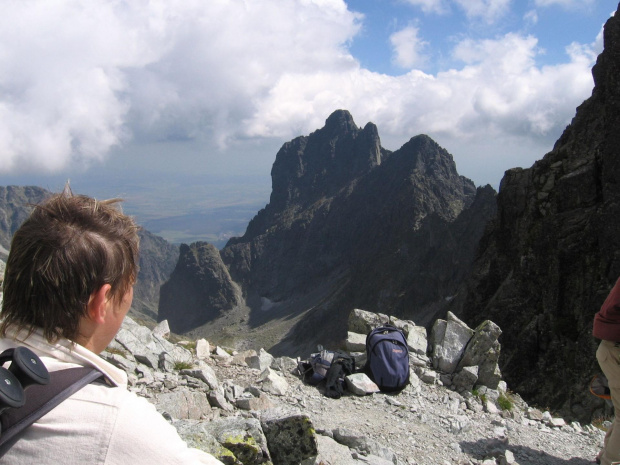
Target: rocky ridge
349 224
251 408
551 256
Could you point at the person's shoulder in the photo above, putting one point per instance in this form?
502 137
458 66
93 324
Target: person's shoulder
161 444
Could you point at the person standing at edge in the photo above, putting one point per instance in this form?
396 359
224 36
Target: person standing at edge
68 286
607 328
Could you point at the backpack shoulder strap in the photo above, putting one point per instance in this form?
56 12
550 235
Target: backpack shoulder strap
41 399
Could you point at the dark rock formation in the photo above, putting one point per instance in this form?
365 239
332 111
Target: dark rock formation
199 289
15 206
349 224
157 261
553 253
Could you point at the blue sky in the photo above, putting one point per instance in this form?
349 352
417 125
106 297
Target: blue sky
143 97
555 24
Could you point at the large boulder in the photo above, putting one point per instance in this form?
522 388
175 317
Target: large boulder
450 338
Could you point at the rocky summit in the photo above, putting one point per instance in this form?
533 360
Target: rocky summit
552 254
349 224
250 408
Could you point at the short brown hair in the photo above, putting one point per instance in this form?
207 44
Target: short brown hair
68 248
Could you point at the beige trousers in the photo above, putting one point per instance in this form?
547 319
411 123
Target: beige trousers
608 356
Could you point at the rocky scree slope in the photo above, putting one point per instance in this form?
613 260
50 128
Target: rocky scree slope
349 224
551 256
250 408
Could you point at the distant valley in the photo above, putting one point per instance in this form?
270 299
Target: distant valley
215 226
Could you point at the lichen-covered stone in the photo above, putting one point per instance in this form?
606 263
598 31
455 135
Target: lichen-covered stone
290 436
243 437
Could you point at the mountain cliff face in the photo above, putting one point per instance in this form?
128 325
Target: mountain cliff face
157 256
349 224
200 285
14 209
552 254
157 261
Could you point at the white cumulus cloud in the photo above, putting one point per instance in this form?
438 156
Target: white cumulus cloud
79 78
487 10
408 48
430 6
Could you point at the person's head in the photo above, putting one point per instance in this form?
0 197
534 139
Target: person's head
69 248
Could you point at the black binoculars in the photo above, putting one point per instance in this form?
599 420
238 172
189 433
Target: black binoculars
25 370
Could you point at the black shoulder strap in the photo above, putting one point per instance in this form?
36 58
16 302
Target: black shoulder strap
40 399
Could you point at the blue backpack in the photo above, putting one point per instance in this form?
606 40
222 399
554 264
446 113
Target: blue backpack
387 358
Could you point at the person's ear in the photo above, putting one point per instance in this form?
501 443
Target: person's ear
97 304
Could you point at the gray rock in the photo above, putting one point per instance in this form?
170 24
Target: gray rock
482 345
361 443
204 373
196 435
360 384
362 321
256 404
447 351
183 403
120 361
290 436
489 374
355 342
218 351
284 364
428 376
218 400
416 339
371 459
261 361
273 383
203 349
466 378
178 353
332 452
135 339
241 358
418 360
162 329
145 376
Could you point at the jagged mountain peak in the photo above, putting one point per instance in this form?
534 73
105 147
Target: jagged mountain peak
321 164
340 122
348 224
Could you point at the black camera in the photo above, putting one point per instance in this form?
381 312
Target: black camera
26 368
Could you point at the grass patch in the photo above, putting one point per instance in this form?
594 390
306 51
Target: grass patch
505 402
183 366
